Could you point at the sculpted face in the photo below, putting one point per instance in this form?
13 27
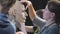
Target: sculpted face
18 10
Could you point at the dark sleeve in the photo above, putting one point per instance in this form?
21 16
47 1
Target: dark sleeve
6 27
38 21
3 18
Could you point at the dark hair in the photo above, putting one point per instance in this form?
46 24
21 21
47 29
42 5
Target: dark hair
6 4
54 6
39 13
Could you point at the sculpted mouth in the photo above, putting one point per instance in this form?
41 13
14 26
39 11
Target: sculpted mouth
23 18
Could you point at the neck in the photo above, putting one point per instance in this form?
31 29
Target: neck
49 21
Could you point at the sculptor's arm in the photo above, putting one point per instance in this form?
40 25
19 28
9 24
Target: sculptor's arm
31 12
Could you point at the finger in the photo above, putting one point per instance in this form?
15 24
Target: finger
28 4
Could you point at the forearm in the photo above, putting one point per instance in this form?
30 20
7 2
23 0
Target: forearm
31 12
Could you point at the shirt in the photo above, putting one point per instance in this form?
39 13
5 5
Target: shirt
6 26
50 29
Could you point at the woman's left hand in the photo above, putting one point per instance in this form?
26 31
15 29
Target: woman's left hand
27 2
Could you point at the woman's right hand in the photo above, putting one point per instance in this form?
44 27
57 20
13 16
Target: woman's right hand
28 3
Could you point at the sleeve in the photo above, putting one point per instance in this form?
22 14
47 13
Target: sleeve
3 18
6 27
38 21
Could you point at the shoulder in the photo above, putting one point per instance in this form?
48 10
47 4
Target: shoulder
54 29
3 18
53 26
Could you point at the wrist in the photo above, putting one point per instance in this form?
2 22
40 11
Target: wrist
28 4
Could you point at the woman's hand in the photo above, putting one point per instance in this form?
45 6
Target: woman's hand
28 3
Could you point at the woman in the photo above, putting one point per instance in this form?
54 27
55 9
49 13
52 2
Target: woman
51 21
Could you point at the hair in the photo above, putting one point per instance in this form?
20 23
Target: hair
39 13
6 5
54 6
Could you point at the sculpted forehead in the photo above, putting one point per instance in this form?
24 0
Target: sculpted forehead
16 9
18 6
